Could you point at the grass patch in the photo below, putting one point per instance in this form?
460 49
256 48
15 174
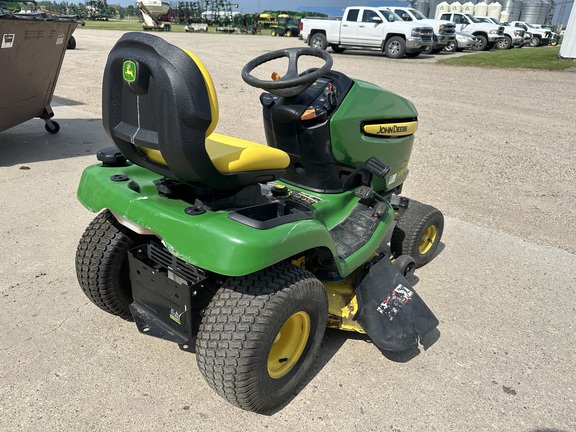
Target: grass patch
525 58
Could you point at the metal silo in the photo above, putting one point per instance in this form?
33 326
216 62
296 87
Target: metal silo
513 7
422 5
531 11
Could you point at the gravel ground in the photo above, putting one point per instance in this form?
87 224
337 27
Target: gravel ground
493 152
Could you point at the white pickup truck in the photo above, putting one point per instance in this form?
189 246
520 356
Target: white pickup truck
368 28
540 36
488 35
513 36
444 31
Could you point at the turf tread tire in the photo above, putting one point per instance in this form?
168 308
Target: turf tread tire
102 264
410 229
239 326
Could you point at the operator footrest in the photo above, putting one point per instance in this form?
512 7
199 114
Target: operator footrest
355 230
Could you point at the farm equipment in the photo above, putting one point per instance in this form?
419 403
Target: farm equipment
285 26
243 253
152 12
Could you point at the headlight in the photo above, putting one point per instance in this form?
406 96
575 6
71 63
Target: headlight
493 31
416 32
441 28
518 33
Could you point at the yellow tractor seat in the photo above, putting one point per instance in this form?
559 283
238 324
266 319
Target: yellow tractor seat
160 108
235 155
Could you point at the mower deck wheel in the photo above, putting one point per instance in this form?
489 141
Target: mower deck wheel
260 335
418 232
102 264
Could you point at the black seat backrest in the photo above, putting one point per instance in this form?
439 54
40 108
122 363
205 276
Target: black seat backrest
157 108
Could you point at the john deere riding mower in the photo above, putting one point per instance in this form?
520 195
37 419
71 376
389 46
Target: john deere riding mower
244 253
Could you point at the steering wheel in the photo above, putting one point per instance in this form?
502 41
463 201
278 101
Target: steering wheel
292 83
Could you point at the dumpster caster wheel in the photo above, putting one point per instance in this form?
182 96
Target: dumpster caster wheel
71 43
260 336
52 127
418 233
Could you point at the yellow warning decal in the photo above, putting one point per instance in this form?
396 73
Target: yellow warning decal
391 129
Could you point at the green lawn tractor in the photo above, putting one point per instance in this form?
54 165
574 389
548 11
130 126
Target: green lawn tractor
288 27
244 253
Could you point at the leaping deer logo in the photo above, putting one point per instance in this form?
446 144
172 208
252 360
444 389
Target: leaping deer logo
129 69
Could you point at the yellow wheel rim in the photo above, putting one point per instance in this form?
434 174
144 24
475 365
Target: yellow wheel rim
289 345
428 239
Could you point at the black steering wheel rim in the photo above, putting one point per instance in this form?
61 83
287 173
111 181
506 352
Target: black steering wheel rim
291 83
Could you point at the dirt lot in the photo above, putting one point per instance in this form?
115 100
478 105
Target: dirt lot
494 152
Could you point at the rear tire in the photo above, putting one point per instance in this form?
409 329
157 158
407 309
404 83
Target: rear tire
260 335
418 233
102 264
395 47
318 40
273 33
288 33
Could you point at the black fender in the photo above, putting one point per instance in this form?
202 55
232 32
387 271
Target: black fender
389 310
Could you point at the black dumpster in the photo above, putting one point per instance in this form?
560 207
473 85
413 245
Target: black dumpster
32 47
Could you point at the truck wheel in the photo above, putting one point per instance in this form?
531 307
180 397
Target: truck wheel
261 334
318 40
418 233
395 47
535 41
102 264
337 49
505 43
481 44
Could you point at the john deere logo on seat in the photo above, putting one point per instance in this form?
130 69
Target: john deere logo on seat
129 71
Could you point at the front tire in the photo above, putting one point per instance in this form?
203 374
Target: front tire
260 335
451 46
273 33
102 264
318 40
535 41
482 43
505 43
395 47
418 233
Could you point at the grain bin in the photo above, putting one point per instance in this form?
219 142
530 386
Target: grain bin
513 7
531 11
442 8
481 9
422 6
468 8
456 7
504 17
494 10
